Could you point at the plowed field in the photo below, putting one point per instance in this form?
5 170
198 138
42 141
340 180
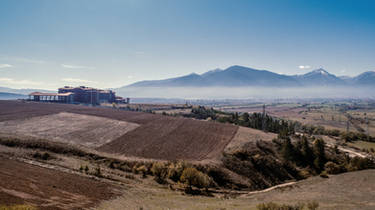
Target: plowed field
158 136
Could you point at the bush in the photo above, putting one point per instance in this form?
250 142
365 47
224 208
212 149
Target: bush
159 170
98 172
324 174
175 170
313 205
358 163
143 170
275 206
193 177
333 168
44 156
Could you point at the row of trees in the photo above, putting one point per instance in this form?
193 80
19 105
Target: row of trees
303 154
271 124
318 157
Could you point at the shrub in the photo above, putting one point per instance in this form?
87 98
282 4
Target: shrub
358 163
112 165
313 205
175 170
44 156
159 170
143 170
193 177
333 168
324 174
98 172
275 206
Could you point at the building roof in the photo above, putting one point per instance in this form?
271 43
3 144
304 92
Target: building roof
50 94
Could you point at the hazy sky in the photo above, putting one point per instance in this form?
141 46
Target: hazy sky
47 44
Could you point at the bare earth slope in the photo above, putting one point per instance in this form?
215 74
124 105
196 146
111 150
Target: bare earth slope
158 136
90 131
49 189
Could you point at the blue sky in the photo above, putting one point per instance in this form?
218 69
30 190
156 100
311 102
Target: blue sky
47 44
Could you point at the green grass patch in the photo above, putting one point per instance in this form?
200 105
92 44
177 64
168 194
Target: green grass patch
363 144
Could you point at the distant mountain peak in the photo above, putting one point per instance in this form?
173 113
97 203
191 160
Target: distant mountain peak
320 71
211 72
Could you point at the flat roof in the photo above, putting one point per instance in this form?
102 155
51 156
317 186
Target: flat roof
50 94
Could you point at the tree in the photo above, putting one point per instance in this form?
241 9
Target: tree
307 152
320 157
288 150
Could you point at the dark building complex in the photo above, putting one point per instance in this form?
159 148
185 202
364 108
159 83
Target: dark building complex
81 94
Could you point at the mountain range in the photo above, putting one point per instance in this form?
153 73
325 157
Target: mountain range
11 96
237 76
24 91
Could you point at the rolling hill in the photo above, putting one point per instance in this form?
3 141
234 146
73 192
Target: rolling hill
11 96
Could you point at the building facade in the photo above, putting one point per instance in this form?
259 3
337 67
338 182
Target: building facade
81 94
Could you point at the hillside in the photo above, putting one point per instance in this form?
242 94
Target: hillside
10 96
354 190
130 134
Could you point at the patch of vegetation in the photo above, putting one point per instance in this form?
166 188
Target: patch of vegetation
42 156
193 177
18 207
272 124
299 206
160 171
261 165
318 158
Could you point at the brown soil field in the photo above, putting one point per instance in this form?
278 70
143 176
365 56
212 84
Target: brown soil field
174 138
22 183
245 135
71 128
157 137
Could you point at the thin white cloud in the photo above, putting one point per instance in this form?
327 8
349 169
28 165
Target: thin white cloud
75 80
304 67
5 65
23 59
10 81
75 67
130 77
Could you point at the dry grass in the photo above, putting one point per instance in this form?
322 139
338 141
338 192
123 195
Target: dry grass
18 207
362 144
354 190
245 135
